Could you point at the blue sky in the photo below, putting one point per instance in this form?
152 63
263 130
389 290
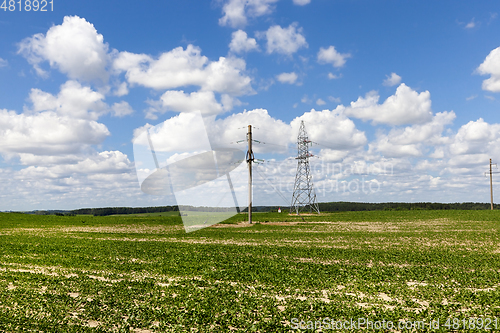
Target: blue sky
402 96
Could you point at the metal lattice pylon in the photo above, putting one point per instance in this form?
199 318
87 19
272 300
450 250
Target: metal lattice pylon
304 196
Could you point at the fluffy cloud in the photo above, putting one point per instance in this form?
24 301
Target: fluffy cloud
301 2
273 135
467 162
96 180
475 137
73 100
106 162
284 40
341 141
241 43
411 140
471 24
289 78
47 133
237 11
60 128
3 62
332 76
179 68
274 132
172 69
121 109
121 90
331 128
491 66
331 56
43 160
182 133
226 76
74 47
334 99
392 80
406 106
203 101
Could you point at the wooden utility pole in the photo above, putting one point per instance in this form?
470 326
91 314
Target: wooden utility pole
491 186
250 159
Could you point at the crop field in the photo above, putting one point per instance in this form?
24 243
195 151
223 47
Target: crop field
281 274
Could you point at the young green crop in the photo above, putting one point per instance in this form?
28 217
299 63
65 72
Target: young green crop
122 273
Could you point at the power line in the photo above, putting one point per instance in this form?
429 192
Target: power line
326 146
272 185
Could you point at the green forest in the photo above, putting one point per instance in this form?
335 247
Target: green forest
340 206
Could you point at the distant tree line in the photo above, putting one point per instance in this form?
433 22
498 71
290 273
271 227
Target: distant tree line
343 206
340 206
123 210
360 206
142 210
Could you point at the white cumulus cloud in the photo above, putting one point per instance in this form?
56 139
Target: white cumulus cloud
406 106
95 180
74 48
331 56
73 100
491 66
106 162
236 12
56 129
241 43
475 137
185 132
289 78
121 90
180 68
203 101
301 2
330 127
332 76
334 99
121 109
412 140
47 133
270 130
284 40
392 80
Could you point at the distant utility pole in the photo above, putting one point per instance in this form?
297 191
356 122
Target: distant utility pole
491 185
491 182
250 159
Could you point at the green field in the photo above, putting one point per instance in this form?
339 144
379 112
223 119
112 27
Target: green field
146 274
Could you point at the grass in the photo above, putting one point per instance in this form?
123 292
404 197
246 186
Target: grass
145 274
